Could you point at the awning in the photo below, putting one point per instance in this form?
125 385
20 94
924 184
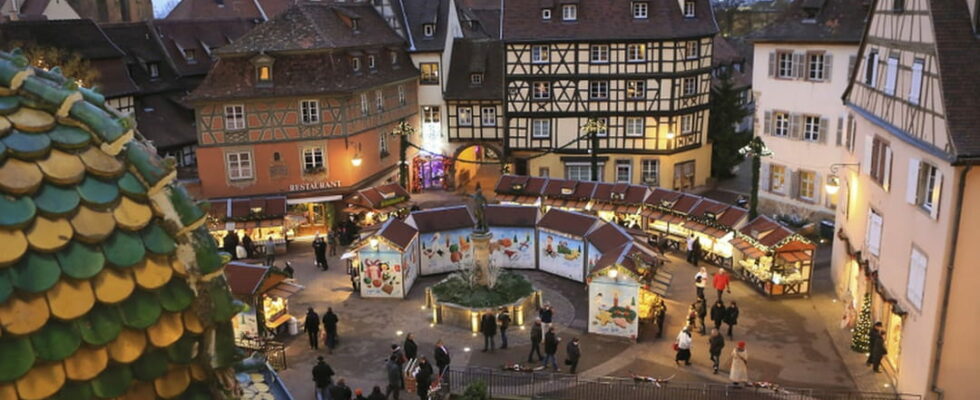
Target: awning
747 248
651 213
348 255
705 229
284 289
316 199
793 256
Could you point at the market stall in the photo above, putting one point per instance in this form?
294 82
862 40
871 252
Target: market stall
514 241
567 195
621 291
619 203
561 243
266 291
665 214
444 238
714 224
520 190
776 260
378 204
259 218
387 261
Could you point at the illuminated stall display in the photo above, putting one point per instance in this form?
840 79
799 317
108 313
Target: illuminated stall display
520 190
567 195
259 218
665 213
266 291
514 242
714 225
561 243
620 203
378 204
387 261
625 287
444 238
778 261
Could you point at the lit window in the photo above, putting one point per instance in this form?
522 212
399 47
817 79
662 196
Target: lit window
815 66
808 185
634 126
429 30
542 90
190 55
546 14
636 89
312 159
430 114
811 128
624 171
394 57
541 128
636 52
539 54
690 86
476 79
650 172
430 73
265 73
239 165
777 178
915 88
926 185
598 90
640 9
599 53
465 117
309 111
488 116
689 9
569 12
234 117
780 124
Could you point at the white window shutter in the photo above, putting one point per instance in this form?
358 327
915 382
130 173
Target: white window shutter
866 157
764 177
798 65
874 234
886 181
824 131
767 123
912 188
772 63
828 66
840 131
937 195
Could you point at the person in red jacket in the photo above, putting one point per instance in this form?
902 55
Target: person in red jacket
721 282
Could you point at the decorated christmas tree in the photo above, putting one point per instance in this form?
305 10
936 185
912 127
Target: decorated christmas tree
861 335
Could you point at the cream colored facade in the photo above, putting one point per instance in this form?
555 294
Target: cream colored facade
792 178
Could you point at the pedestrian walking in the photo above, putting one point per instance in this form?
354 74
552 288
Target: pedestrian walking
330 321
696 252
249 246
700 280
312 328
715 344
230 244
504 319
410 348
721 281
395 377
423 378
661 314
322 376
718 313
573 352
692 316
546 314
690 248
740 365
270 252
340 391
399 356
488 327
702 312
551 348
682 345
877 347
377 395
320 251
355 277
536 337
332 239
731 318
442 357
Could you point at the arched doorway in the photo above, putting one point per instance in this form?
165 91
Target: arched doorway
476 163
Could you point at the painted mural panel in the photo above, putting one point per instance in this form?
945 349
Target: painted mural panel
513 247
613 307
594 256
561 255
411 258
381 272
445 251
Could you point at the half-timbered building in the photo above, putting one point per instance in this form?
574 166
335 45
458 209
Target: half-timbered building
640 68
909 214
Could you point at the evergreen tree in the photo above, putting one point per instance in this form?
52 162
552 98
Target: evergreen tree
861 336
726 113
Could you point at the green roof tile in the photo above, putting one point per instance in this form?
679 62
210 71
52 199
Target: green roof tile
98 192
92 95
157 240
9 104
80 261
222 304
56 341
186 207
130 186
150 166
123 249
55 200
100 326
176 295
226 353
16 211
36 272
182 351
205 251
6 285
151 365
18 357
10 68
99 121
44 90
75 391
140 310
27 145
114 381
69 137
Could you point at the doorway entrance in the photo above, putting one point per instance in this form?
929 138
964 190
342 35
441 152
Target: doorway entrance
476 163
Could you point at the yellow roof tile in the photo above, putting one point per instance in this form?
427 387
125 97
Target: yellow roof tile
8 391
4 128
92 226
152 272
48 235
41 382
131 215
62 168
101 164
21 316
191 322
19 177
70 298
139 391
178 267
128 346
31 120
86 363
166 330
113 285
173 382
13 244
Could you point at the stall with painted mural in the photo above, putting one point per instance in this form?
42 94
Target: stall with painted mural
561 243
625 287
613 306
385 261
514 241
444 238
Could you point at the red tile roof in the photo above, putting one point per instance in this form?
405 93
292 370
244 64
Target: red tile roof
607 237
244 279
531 186
503 215
398 233
568 222
442 219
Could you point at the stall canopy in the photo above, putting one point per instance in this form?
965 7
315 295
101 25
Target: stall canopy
514 216
442 219
568 222
520 189
381 199
724 214
563 193
247 280
608 237
247 213
619 197
398 233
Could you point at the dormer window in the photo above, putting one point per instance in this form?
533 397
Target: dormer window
476 79
429 30
355 63
190 56
640 9
154 70
394 57
371 63
546 14
569 12
265 73
810 15
354 26
689 9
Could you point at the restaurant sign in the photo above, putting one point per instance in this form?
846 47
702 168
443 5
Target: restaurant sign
305 187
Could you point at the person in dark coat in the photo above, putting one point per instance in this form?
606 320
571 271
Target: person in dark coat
718 313
399 356
546 314
661 314
330 321
312 328
442 357
411 349
536 337
573 352
340 391
715 343
322 376
423 378
551 348
731 317
231 244
249 246
702 312
320 251
696 253
332 242
877 347
504 319
488 327
288 270
377 395
395 377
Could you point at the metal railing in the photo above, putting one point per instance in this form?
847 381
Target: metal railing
544 385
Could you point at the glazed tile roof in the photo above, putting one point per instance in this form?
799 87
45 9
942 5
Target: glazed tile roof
101 255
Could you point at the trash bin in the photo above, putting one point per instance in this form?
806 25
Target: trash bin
827 229
293 326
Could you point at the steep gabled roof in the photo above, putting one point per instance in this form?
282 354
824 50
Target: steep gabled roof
442 219
472 56
422 12
516 216
568 222
203 36
398 233
958 53
607 237
836 21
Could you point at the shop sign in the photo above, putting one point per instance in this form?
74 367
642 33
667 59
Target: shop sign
393 200
304 187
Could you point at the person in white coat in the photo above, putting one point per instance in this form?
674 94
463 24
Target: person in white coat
683 346
740 365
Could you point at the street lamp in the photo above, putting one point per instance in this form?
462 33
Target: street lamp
755 149
592 128
833 181
403 130
357 160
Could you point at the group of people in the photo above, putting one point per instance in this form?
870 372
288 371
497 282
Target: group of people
542 333
312 328
243 247
321 247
